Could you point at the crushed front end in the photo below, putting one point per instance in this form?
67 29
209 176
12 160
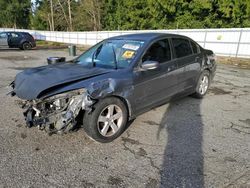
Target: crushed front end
56 114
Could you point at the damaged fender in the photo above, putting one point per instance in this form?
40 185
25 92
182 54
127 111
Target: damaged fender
97 89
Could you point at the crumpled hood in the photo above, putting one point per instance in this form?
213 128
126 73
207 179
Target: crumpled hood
31 82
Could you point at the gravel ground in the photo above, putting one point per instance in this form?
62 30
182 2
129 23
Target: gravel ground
186 143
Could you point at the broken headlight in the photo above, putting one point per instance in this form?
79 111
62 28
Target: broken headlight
56 103
57 112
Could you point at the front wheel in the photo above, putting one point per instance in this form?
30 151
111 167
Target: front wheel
107 121
202 84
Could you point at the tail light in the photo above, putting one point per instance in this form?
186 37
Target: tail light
212 57
32 37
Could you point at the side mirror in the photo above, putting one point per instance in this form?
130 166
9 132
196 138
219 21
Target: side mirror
150 65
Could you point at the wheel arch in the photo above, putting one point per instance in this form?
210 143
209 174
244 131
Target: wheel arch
24 41
124 101
209 71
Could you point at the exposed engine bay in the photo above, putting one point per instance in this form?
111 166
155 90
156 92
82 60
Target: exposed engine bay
56 114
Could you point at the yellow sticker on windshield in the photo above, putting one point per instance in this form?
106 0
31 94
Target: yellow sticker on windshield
128 54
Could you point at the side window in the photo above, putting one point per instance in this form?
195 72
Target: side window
195 47
198 48
159 51
3 35
14 35
182 47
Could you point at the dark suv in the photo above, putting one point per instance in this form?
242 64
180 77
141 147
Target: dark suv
22 40
113 82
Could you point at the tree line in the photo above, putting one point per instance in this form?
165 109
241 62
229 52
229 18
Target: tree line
94 15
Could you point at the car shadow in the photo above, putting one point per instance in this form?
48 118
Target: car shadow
183 156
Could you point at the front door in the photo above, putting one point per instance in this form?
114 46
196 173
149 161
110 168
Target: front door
3 39
154 86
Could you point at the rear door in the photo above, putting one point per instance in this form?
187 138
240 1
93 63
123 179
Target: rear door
3 39
187 62
193 69
154 86
15 39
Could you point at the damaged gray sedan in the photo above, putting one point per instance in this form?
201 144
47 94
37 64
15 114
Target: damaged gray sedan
113 82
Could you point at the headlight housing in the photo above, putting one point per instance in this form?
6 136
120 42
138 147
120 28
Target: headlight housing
59 102
67 94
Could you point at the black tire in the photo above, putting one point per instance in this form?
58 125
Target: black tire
92 126
26 46
198 94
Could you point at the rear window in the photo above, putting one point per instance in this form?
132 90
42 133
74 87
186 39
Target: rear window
26 34
182 47
195 47
15 35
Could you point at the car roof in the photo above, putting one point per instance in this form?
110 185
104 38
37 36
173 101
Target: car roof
145 36
14 32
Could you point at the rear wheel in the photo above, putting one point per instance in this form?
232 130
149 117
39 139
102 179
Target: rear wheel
107 121
26 46
203 84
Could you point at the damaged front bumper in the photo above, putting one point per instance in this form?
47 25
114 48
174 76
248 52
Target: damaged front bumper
57 114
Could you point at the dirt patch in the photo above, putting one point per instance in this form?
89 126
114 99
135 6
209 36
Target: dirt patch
246 121
15 120
239 62
116 181
218 91
23 135
131 141
85 183
142 152
19 125
151 183
240 128
18 58
151 122
229 159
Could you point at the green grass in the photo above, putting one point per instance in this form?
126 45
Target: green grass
58 45
49 43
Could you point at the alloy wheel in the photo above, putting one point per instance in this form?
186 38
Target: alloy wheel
110 120
204 85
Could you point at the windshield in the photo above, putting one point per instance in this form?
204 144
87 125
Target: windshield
115 54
